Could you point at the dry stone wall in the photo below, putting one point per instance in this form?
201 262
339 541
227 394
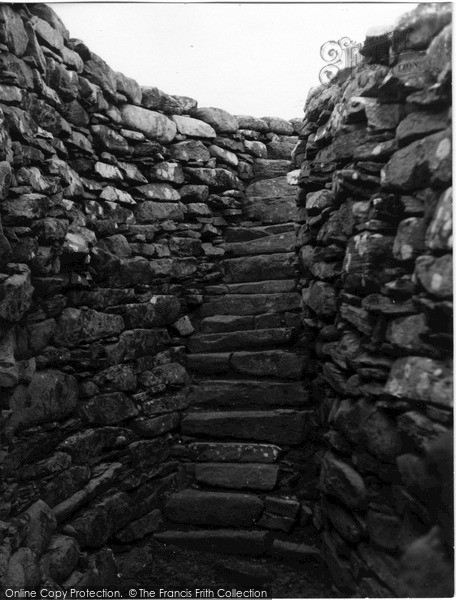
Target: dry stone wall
130 218
375 243
170 364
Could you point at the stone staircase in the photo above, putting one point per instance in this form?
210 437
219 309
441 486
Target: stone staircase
249 404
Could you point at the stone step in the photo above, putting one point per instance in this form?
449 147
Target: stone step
248 393
209 364
264 168
233 452
289 427
269 363
273 286
240 477
222 509
259 268
239 340
244 234
281 242
280 364
270 188
250 304
226 323
225 541
271 210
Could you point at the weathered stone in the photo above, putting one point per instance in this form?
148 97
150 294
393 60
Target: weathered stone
383 529
420 163
250 304
436 274
406 332
99 522
231 541
362 423
50 396
128 87
159 191
282 506
348 527
278 125
269 244
277 427
150 428
9 370
425 568
239 393
219 119
248 122
150 212
22 571
271 210
169 374
214 508
41 526
238 340
155 99
272 363
270 188
420 379
137 529
251 476
233 452
190 151
342 481
159 311
12 31
409 240
154 125
61 558
439 233
107 409
256 268
193 127
321 298
80 326
218 179
420 429
16 294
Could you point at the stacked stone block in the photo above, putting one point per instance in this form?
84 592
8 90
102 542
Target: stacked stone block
375 210
120 208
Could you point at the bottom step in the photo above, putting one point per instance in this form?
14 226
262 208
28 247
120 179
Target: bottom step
239 541
229 541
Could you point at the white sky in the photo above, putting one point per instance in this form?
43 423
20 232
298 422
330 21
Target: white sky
258 59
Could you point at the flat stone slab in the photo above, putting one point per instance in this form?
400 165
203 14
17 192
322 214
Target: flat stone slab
224 509
269 363
263 287
251 476
271 210
260 267
225 323
238 340
281 242
270 188
226 541
247 392
287 427
233 452
209 364
251 304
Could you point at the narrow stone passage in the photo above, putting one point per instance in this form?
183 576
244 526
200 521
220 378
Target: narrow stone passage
225 341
